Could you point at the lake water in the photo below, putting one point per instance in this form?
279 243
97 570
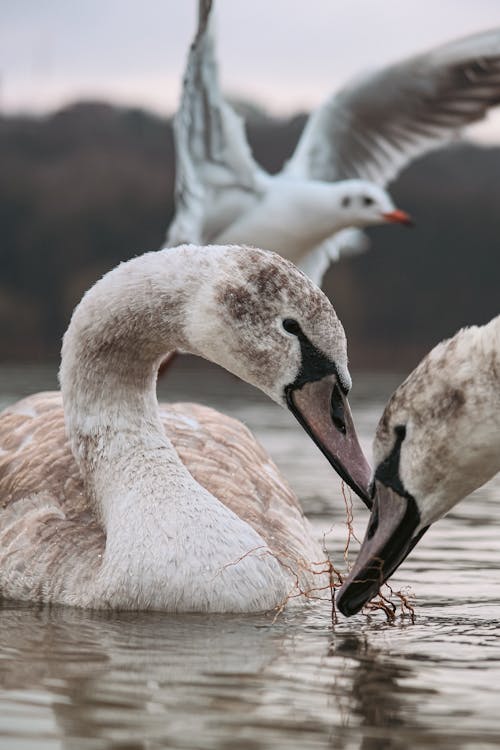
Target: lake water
89 681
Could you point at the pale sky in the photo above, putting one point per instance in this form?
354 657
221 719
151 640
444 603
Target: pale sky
286 55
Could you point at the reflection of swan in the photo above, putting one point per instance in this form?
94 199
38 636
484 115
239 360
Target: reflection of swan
369 130
143 677
437 441
128 525
159 680
376 703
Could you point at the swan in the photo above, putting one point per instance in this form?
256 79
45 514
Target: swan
350 149
437 441
109 501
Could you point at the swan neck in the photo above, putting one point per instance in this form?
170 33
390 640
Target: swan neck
118 336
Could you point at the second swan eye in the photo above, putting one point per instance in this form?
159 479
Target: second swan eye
400 432
291 325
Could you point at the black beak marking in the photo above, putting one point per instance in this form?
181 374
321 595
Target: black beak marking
315 367
390 535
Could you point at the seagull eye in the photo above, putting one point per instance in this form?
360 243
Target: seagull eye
291 325
367 201
346 201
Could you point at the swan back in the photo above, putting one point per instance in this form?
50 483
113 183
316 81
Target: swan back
49 530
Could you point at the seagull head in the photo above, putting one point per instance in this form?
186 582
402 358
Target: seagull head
362 204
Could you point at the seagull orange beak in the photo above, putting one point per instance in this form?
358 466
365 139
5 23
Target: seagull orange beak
398 217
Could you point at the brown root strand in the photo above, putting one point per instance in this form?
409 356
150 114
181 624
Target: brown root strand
349 522
383 602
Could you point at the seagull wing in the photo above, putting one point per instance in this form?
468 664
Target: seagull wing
212 152
375 126
344 243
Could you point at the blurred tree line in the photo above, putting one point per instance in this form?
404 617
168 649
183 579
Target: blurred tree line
92 185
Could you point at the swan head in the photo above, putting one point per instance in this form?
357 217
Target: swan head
437 441
262 319
362 203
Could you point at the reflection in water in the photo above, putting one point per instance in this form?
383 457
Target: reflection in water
131 675
197 681
74 679
376 696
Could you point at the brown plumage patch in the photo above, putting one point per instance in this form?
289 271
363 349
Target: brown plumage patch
446 407
269 281
252 300
48 523
237 301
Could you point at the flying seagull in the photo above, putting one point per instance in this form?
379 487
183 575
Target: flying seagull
350 149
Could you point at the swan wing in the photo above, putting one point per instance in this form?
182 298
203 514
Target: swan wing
374 127
49 532
212 152
226 459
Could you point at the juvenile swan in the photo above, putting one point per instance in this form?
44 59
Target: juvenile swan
179 508
437 441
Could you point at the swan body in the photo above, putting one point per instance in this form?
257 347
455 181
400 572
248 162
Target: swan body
107 500
437 441
351 147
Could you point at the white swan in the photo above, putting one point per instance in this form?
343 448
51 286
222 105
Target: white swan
437 441
177 509
369 130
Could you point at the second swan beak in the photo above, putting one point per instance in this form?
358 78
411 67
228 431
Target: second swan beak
393 530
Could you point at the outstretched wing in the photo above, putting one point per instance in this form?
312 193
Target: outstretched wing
374 127
212 152
344 243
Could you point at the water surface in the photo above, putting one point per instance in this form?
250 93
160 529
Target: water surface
79 680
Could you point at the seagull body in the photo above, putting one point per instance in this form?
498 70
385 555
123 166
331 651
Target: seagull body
350 149
313 211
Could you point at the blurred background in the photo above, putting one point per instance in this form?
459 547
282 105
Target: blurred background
87 163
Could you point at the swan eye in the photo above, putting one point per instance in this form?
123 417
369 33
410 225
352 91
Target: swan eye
367 201
291 325
346 201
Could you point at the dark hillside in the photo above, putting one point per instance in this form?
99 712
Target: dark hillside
92 185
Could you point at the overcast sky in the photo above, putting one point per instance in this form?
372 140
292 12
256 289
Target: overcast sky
285 54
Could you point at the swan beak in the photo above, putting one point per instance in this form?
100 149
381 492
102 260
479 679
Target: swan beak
323 411
389 538
398 217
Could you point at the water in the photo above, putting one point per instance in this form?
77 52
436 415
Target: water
89 681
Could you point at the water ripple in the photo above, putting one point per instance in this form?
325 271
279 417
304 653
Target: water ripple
146 680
